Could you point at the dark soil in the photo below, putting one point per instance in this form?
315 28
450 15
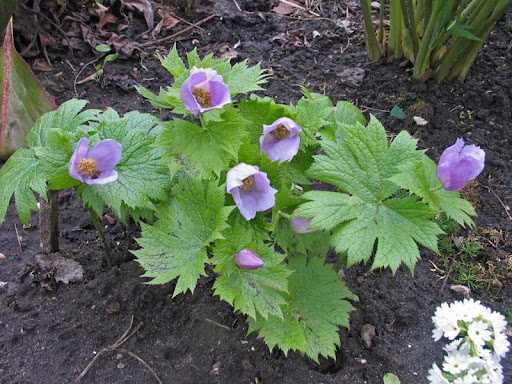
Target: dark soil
49 332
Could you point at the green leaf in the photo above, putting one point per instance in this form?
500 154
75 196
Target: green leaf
362 163
259 111
398 113
143 176
313 112
421 179
311 244
21 176
240 78
175 247
251 292
390 378
317 306
369 218
104 48
458 29
394 224
210 148
22 98
67 118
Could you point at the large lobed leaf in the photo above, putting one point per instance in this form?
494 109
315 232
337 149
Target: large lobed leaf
318 304
175 247
367 217
143 177
46 160
240 78
210 148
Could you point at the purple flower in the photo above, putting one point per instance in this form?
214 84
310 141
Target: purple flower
280 140
250 189
460 164
95 166
300 225
247 259
204 90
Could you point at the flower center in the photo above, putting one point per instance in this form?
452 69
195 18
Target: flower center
280 133
87 167
203 97
248 184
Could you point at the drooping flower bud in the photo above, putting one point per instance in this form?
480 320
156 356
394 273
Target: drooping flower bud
204 90
250 189
300 225
459 164
95 166
247 259
280 140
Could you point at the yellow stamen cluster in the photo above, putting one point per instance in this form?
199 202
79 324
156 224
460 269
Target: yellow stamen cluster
280 133
203 97
248 184
87 167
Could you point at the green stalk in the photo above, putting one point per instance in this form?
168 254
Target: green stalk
460 46
422 63
410 24
381 23
462 68
395 38
372 44
99 228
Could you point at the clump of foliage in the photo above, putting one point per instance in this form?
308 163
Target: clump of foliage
441 38
232 182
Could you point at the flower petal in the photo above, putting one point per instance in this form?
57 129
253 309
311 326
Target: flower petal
300 225
106 178
237 174
79 153
107 154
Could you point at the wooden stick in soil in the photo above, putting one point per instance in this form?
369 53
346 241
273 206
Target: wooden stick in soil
117 346
99 228
49 223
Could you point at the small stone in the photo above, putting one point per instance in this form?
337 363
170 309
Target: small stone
375 5
420 121
462 290
64 270
119 356
121 365
353 75
2 257
215 369
367 334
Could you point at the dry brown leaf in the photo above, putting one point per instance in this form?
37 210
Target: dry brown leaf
167 21
104 15
286 7
144 7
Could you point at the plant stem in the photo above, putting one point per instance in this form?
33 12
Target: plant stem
372 44
395 39
49 223
410 24
99 228
381 23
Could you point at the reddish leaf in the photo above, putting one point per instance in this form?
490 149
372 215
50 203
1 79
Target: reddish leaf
22 98
142 6
7 8
167 21
104 15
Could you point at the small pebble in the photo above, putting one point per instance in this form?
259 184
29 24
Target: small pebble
121 365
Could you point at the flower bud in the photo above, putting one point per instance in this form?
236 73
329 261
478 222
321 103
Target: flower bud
247 259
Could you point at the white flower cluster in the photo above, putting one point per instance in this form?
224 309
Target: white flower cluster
477 343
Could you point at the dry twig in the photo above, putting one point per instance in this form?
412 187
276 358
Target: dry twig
117 346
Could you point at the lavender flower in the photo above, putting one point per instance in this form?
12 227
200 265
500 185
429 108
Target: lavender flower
95 166
250 189
300 225
247 259
460 164
204 90
280 140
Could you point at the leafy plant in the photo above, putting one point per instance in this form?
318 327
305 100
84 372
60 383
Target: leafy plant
441 38
390 378
109 58
231 186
